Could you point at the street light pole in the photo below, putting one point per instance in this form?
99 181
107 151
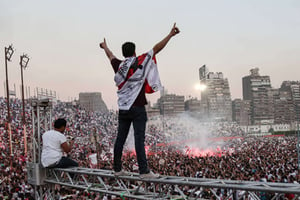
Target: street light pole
8 54
24 59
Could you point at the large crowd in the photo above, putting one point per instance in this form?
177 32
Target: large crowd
176 146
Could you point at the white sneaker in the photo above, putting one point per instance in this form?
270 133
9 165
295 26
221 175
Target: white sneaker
149 175
121 173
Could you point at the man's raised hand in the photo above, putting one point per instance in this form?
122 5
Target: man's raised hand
174 30
103 44
108 53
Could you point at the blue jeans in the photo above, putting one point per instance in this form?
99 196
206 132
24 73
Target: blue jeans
138 116
64 162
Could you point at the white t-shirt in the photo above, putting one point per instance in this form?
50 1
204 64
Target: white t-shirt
52 151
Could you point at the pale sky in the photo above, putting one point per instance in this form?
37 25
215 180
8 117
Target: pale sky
230 36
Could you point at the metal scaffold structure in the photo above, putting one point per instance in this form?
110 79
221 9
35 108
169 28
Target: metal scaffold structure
132 186
165 187
41 122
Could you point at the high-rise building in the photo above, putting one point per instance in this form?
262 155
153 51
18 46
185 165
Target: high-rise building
192 105
216 98
171 104
92 101
241 111
293 89
258 90
152 110
284 108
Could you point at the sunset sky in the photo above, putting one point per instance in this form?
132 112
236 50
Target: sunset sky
62 39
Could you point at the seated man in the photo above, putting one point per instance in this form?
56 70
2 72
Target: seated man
54 145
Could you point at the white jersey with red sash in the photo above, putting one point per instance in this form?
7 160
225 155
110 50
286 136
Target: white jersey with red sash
129 87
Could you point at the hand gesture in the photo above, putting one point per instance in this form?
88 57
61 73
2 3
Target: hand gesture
103 44
174 30
70 137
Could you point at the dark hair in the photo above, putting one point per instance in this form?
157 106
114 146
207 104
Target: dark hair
60 122
128 49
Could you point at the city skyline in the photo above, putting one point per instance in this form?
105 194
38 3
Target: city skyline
62 41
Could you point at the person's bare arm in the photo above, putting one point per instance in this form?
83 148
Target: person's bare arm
159 46
67 147
108 53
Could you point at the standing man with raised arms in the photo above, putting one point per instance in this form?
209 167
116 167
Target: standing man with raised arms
134 77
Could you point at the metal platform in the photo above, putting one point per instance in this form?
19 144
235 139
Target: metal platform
132 186
165 187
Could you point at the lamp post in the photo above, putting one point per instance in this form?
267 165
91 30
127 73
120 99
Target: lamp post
24 59
9 51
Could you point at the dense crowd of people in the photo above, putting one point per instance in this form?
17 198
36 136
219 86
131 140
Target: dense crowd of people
175 148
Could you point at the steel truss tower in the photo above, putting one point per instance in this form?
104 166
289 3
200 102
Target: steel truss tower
41 122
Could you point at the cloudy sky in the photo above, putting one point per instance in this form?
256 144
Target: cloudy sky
62 36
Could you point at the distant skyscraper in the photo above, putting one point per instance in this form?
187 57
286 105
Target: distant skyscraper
258 90
92 101
284 108
292 88
152 110
216 98
192 105
241 111
171 104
